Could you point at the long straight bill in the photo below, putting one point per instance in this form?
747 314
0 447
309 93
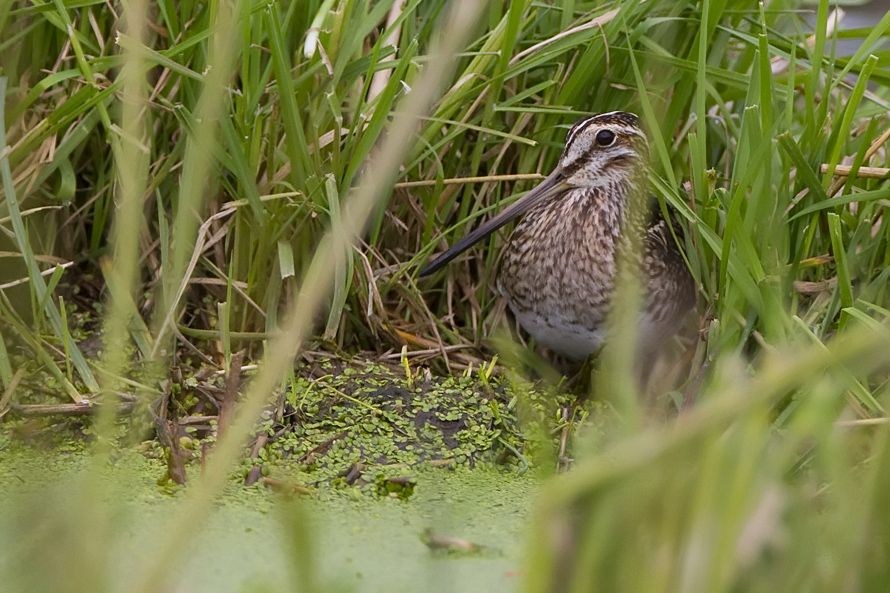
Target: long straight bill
551 185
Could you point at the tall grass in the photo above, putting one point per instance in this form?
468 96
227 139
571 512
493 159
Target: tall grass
733 107
217 177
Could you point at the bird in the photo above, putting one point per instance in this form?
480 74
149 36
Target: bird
559 267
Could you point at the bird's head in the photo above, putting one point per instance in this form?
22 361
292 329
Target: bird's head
602 151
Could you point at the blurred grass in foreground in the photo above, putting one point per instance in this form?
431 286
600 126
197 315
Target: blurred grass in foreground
193 174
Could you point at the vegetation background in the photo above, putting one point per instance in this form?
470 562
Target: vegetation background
186 180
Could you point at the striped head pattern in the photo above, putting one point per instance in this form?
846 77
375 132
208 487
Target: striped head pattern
603 149
602 158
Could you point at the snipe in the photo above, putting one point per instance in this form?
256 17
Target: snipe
558 269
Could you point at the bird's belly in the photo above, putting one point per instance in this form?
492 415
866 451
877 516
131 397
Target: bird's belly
577 340
568 314
561 335
556 274
560 310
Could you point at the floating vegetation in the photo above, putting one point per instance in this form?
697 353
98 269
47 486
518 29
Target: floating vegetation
365 423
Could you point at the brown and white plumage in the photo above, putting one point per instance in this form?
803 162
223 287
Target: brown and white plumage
558 269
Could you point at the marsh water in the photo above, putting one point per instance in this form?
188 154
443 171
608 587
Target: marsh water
357 542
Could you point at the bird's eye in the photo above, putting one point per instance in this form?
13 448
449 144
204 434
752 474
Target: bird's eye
605 138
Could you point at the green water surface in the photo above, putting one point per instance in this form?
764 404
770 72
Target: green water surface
53 532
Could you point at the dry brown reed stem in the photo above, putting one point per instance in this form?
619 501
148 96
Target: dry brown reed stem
870 152
384 162
468 180
846 170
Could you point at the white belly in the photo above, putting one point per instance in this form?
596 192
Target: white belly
576 341
561 335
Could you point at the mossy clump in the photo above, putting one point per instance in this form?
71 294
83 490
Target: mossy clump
351 421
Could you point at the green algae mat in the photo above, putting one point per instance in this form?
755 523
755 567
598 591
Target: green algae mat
369 478
460 530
